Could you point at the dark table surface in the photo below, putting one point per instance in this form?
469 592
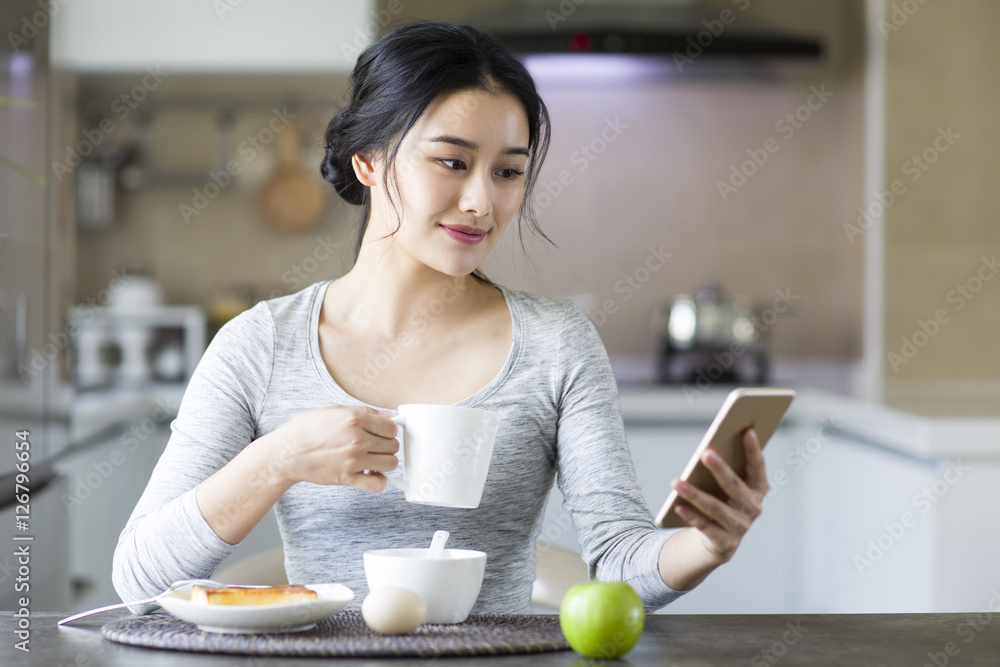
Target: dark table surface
757 640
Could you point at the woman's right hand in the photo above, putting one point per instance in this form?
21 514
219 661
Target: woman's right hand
337 444
331 445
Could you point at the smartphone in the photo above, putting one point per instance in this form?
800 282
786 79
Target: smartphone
761 408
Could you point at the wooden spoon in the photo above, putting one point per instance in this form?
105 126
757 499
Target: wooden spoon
291 198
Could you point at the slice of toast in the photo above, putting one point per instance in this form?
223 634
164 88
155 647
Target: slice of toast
244 595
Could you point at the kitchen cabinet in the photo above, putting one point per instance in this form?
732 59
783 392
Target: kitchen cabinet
193 36
866 534
36 569
888 532
104 482
902 512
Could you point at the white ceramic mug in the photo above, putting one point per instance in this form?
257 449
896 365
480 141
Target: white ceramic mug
446 453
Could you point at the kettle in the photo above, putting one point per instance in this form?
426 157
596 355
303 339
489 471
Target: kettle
709 336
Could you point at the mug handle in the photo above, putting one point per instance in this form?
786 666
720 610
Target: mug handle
400 484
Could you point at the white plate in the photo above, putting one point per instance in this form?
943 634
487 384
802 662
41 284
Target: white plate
251 619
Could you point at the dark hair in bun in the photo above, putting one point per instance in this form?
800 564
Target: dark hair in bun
337 169
396 79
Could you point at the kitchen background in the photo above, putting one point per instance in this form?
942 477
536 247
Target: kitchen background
868 213
671 139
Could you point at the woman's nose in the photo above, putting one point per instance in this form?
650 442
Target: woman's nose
477 196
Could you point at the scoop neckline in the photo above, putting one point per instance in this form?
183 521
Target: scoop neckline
342 396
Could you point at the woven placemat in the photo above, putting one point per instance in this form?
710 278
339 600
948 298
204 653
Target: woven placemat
346 634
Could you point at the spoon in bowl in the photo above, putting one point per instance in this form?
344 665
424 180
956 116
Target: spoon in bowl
436 549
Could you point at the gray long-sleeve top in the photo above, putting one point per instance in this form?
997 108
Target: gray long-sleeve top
559 418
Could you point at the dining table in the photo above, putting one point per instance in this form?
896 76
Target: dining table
758 640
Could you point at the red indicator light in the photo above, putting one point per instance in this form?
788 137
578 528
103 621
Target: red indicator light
580 41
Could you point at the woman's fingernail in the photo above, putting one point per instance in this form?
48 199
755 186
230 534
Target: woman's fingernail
711 457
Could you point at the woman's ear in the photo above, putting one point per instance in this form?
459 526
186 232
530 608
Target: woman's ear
364 168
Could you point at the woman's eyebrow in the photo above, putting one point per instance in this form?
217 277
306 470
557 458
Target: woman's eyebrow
472 146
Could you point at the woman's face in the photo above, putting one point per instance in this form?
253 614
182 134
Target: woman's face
460 172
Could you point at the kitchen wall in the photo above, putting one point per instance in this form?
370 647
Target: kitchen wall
661 147
942 310
198 246
658 184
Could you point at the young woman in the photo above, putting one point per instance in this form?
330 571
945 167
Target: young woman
440 145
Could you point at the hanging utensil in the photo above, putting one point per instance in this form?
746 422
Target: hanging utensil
292 198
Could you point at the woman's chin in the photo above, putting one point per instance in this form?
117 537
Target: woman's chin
456 268
458 273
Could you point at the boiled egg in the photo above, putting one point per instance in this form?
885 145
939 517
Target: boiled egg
393 610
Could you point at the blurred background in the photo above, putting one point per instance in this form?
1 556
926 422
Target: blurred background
768 192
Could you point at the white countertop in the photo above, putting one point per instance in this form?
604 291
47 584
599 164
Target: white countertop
910 434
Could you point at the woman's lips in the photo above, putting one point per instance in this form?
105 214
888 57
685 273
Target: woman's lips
463 234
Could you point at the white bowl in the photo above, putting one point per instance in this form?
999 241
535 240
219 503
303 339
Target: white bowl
448 584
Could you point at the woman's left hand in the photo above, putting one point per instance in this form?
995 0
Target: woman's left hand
721 525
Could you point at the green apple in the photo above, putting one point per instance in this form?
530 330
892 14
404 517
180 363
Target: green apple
602 619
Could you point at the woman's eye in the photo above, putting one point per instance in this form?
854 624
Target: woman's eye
510 174
453 164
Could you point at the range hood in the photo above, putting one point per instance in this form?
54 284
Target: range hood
679 29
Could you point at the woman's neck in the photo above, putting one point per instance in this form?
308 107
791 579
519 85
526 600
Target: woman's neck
386 294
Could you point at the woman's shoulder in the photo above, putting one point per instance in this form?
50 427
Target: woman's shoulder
284 308
266 317
537 310
296 304
246 344
537 303
557 329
